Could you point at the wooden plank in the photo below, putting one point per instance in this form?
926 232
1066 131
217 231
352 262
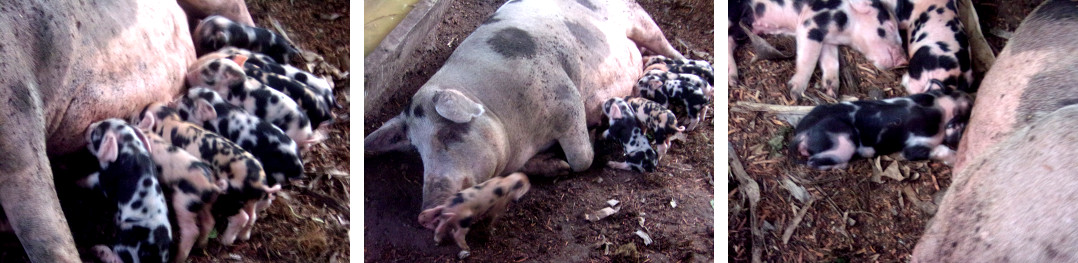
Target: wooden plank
386 65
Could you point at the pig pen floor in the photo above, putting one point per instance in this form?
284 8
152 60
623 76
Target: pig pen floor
548 225
853 218
310 222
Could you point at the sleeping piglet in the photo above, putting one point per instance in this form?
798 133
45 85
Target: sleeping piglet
922 126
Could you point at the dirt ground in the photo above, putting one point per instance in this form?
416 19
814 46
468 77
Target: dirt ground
853 218
310 221
547 225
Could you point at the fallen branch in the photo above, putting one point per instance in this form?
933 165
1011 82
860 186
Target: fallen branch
773 109
763 50
981 53
751 191
797 221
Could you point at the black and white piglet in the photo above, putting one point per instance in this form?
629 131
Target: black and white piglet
922 126
216 32
665 87
625 129
256 61
313 104
700 68
277 152
226 77
128 176
661 122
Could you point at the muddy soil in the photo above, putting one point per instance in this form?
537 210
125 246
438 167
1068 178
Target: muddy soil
853 218
310 221
547 225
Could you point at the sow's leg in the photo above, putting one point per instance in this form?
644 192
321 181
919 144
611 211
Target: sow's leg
27 193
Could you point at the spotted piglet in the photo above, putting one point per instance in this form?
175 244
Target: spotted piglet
922 126
665 87
700 68
820 26
485 200
278 153
216 32
247 185
306 97
661 122
128 177
938 46
227 78
264 63
625 129
194 189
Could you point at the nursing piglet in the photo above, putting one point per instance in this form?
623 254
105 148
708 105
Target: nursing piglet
661 122
277 152
666 87
244 174
128 177
194 189
625 129
216 32
227 78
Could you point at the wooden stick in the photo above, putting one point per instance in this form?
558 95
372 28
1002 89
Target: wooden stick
982 54
750 190
797 221
774 109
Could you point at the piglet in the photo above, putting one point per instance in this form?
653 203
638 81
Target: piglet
216 32
625 129
128 177
307 98
486 200
226 77
257 61
277 152
700 68
665 87
194 189
921 126
661 122
247 184
938 45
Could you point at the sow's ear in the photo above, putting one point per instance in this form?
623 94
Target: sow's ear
392 136
456 107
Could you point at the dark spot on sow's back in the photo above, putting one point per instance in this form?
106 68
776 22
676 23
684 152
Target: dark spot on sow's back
513 43
588 4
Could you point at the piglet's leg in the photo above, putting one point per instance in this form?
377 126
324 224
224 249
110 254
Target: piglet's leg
251 209
829 66
205 217
809 46
186 219
944 154
235 224
458 236
619 165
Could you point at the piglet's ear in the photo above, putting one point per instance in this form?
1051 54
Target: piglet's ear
615 112
239 59
145 141
204 111
147 121
392 136
109 149
456 107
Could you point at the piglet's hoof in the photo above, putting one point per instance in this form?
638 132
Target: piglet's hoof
463 254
